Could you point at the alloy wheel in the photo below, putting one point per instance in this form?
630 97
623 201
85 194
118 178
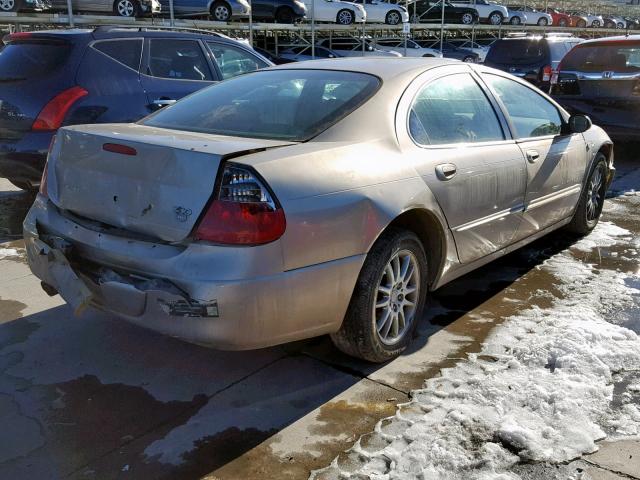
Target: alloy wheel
126 8
221 13
397 296
596 24
562 22
543 22
467 19
495 19
393 18
515 20
7 5
595 194
345 17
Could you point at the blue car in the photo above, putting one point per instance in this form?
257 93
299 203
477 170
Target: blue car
64 77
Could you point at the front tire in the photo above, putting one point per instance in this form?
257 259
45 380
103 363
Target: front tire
126 8
562 22
221 12
495 18
591 201
581 24
469 59
388 299
393 18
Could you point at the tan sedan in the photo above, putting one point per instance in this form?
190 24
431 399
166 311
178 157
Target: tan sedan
327 197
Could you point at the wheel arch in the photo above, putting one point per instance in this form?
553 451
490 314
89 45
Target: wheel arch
430 230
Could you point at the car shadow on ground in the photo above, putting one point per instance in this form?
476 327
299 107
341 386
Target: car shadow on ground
94 396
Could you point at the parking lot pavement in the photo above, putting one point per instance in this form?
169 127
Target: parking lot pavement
96 397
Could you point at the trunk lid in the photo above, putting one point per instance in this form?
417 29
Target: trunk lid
159 191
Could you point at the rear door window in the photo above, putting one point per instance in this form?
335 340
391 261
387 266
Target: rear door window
453 109
32 59
178 60
234 61
128 52
620 58
531 114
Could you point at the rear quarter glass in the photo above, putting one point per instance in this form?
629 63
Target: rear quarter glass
518 52
619 57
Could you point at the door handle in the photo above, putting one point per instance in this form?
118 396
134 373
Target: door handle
163 102
446 171
533 156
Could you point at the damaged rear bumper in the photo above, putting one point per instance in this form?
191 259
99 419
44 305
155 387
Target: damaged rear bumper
228 309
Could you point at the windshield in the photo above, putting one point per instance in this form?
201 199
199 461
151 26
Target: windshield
293 105
624 58
30 60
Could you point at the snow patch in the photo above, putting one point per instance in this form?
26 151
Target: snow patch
539 390
604 235
8 252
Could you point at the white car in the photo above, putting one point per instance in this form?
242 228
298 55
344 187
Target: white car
489 12
336 11
473 46
534 17
383 12
516 18
413 49
352 47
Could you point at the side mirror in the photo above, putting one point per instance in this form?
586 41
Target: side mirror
579 123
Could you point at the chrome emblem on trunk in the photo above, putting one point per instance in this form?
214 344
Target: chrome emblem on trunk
607 74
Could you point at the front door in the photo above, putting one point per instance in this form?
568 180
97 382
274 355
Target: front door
467 160
556 162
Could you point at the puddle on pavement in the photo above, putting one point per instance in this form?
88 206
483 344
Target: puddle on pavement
13 208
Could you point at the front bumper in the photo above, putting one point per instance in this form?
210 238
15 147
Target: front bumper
205 294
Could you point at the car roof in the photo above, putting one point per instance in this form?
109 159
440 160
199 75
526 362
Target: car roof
385 68
619 38
106 32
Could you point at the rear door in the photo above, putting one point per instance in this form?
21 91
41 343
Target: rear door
461 148
556 162
174 68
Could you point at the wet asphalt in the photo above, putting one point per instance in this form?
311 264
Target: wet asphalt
95 397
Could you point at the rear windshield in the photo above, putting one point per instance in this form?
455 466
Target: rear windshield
274 104
518 52
27 60
600 58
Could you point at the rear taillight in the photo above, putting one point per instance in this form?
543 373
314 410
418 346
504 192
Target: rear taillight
43 181
243 212
547 72
53 113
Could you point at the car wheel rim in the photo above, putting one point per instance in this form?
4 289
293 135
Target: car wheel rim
397 297
7 4
394 18
596 23
221 13
467 19
595 195
563 23
125 8
345 18
543 22
516 21
495 19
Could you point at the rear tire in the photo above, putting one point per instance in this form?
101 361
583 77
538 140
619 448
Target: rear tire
596 24
467 19
543 22
126 8
469 59
591 201
380 322
220 12
515 20
9 5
